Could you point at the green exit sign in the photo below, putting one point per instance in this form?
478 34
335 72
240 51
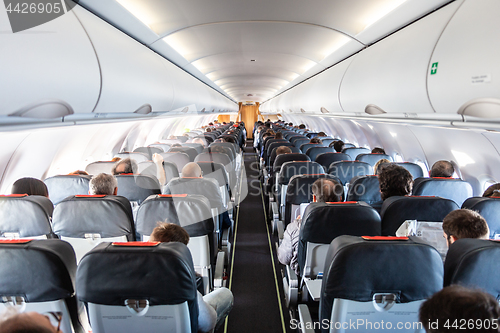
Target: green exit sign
434 68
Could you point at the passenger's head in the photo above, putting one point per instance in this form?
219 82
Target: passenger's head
208 129
200 141
464 223
278 135
378 166
493 191
169 232
337 145
103 184
79 172
260 128
321 134
229 139
327 190
442 169
394 180
191 170
455 304
28 322
378 150
30 186
315 140
302 126
283 150
126 165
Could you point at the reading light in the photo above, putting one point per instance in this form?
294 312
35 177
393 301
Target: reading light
373 109
144 109
45 110
481 108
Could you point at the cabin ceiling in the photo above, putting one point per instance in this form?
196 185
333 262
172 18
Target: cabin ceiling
253 50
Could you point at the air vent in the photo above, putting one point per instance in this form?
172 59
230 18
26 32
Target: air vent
144 109
481 107
185 110
324 110
302 110
373 109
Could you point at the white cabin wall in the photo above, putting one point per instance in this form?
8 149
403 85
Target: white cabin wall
45 152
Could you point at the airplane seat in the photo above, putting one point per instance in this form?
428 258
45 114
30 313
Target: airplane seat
233 146
355 151
299 142
306 146
171 170
182 138
218 172
197 146
326 159
171 141
415 170
40 276
398 209
313 151
163 146
225 149
372 159
283 158
98 167
25 216
271 144
223 159
209 139
192 212
376 280
149 151
449 188
350 145
180 159
62 186
87 220
346 170
190 152
147 168
139 287
272 155
327 140
489 209
473 263
138 157
136 188
366 189
271 141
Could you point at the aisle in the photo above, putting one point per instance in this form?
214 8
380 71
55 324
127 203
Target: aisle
254 281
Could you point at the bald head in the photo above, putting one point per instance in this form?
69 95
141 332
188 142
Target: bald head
191 170
27 322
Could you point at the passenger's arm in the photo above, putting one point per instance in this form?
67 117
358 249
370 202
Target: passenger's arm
160 172
285 251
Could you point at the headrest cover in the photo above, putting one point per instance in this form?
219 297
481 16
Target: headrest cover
63 186
474 263
290 169
39 270
29 216
489 208
355 269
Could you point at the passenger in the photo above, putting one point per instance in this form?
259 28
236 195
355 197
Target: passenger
208 129
315 140
302 126
32 322
279 136
324 190
464 223
283 150
321 134
129 166
377 168
213 307
493 191
30 186
337 145
378 150
115 159
458 304
395 180
78 172
103 184
442 169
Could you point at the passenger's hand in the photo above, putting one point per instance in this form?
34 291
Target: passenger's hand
157 158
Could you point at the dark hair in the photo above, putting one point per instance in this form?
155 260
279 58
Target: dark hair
321 134
327 190
456 303
168 232
30 186
378 150
208 129
278 135
337 145
394 180
465 223
493 191
130 166
79 172
302 126
230 139
315 140
283 150
442 169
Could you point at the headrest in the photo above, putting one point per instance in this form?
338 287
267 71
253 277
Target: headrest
161 273
300 188
62 186
489 208
149 151
163 146
415 170
137 187
197 146
474 263
283 158
138 157
325 159
365 188
214 170
356 269
206 187
213 157
289 169
372 159
28 216
454 189
192 212
38 270
397 209
346 170
178 158
109 216
96 168
353 151
313 152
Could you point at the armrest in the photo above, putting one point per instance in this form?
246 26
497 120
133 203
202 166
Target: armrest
305 319
293 280
281 230
219 270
